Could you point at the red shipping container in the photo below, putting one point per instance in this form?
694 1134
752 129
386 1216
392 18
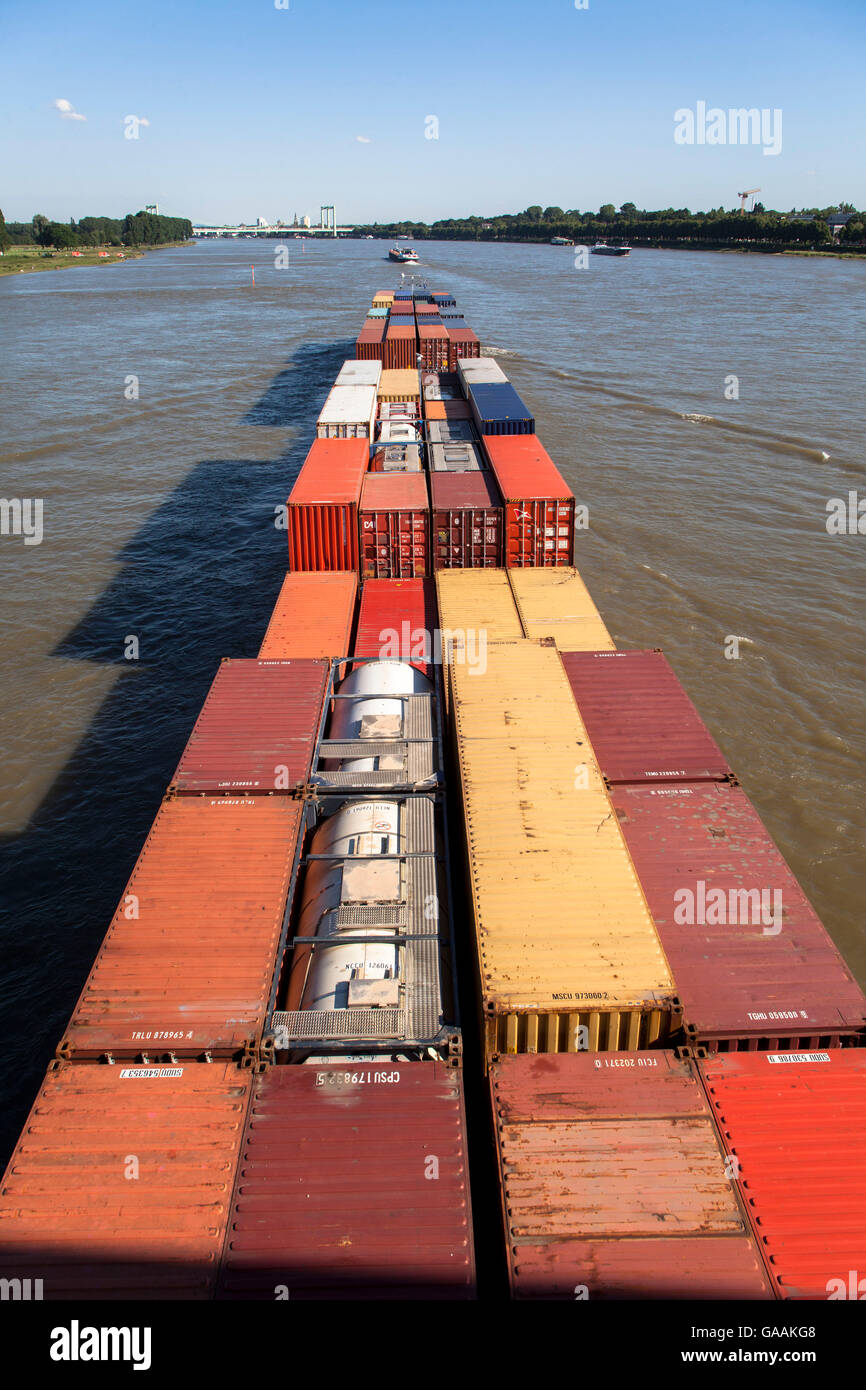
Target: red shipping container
73 1214
641 723
313 616
323 506
614 1184
795 1125
394 526
401 347
405 607
434 346
770 978
370 343
463 343
539 505
334 1198
257 730
466 519
189 962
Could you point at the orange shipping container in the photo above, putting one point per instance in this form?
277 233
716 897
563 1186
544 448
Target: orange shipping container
313 616
447 410
188 963
323 506
74 1213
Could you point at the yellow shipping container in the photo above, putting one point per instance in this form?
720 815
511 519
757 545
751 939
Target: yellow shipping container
554 602
383 300
568 954
399 384
476 608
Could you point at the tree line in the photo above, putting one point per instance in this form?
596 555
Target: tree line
135 229
762 228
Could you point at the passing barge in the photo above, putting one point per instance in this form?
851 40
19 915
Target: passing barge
439 754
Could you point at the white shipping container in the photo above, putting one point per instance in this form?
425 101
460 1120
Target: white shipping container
348 413
479 371
397 432
459 456
356 372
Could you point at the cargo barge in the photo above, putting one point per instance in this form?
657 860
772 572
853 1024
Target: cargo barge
439 755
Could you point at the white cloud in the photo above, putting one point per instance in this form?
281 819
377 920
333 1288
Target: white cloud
363 139
67 110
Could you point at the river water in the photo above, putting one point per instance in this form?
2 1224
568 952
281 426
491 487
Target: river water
707 521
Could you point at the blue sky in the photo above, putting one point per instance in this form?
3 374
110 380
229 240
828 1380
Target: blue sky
257 111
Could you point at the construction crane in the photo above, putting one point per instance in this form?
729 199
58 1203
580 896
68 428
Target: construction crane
743 196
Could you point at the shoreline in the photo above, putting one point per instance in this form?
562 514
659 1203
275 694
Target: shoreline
34 260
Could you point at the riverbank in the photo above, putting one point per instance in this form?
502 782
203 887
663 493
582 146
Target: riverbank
22 260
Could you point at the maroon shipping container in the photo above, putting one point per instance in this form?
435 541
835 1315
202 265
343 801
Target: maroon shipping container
771 978
462 343
434 346
323 506
466 512
352 1184
257 729
370 343
405 607
394 526
614 1184
539 505
401 347
641 723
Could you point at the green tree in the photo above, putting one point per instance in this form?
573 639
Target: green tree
4 235
57 234
534 213
628 210
553 214
607 212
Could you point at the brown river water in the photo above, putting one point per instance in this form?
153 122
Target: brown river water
707 520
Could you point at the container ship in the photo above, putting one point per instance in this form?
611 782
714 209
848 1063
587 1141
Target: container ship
441 780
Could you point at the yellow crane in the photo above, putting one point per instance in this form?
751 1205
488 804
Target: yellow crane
743 196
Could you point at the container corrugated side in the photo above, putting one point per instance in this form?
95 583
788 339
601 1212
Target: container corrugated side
398 617
462 343
539 504
642 723
370 342
555 602
466 521
323 506
394 519
401 384
614 1184
313 616
754 966
77 1216
257 729
400 347
188 963
353 1184
348 413
795 1126
569 958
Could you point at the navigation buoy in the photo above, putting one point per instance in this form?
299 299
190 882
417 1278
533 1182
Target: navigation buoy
253 273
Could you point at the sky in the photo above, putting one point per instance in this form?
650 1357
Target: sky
267 108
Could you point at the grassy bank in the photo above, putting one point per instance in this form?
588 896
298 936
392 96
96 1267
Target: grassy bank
19 260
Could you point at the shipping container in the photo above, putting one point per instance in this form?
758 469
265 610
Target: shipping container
397 432
539 505
376 313
334 1198
466 520
434 345
462 343
754 966
458 456
400 347
568 955
556 603
383 299
370 342
447 410
257 730
399 410
497 409
357 372
441 386
794 1125
394 526
187 966
446 431
120 1186
323 506
478 603
400 385
398 617
643 726
396 458
614 1185
312 617
371 968
479 370
348 413
443 298
401 321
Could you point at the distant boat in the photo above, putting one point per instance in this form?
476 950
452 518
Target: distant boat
560 241
404 254
601 248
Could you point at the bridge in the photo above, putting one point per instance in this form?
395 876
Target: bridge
242 231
